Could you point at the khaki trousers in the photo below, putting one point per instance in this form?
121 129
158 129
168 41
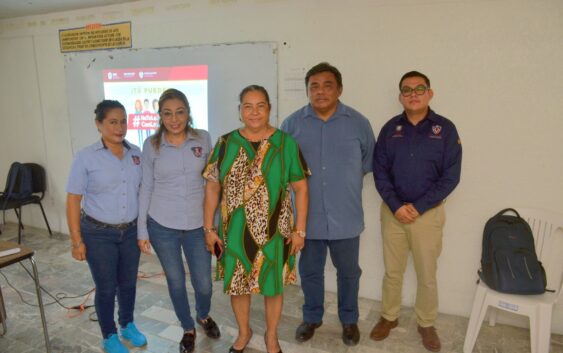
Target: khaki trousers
424 239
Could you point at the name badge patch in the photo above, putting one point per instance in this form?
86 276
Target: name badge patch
398 131
436 132
197 151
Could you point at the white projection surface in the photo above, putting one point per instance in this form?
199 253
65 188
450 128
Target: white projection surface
211 76
138 89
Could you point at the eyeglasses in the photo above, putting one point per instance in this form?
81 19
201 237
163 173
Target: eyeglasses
418 90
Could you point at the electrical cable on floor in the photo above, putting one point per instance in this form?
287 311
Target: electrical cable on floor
56 299
62 296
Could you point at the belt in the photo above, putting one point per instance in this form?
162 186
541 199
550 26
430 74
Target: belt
120 226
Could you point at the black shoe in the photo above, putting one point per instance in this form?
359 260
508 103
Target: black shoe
306 330
350 334
234 350
266 344
187 344
210 327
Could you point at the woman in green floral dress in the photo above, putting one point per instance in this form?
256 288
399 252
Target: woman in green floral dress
252 171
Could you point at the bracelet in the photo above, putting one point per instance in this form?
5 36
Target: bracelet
301 233
209 230
76 245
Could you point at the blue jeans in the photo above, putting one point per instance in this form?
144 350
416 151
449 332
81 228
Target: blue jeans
113 257
168 244
344 254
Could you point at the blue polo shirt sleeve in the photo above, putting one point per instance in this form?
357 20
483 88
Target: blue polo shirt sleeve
368 147
78 177
382 173
147 187
450 174
285 127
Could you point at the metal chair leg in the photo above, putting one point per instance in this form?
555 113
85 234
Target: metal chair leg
3 316
40 300
20 224
45 218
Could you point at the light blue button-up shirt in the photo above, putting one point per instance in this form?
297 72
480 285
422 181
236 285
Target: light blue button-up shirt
172 187
109 186
339 152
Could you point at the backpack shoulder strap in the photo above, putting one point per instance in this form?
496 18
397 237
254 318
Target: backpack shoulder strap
13 177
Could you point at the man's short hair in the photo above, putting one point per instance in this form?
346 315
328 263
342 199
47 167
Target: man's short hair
324 67
414 74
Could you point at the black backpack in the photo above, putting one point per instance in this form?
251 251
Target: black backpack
509 263
20 182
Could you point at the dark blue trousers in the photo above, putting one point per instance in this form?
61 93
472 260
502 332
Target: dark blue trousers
344 255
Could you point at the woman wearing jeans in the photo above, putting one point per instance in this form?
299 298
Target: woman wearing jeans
171 211
104 179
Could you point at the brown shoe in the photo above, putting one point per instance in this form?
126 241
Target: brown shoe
430 338
381 330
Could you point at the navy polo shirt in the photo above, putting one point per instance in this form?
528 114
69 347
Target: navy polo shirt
418 164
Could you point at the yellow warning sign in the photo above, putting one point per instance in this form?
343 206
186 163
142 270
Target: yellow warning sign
95 37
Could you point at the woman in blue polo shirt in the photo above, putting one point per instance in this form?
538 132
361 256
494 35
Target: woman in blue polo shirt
102 209
171 211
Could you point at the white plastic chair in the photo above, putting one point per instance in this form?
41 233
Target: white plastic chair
548 235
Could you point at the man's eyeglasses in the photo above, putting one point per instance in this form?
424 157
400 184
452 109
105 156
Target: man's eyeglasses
418 90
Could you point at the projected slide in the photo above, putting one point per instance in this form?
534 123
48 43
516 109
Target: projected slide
138 89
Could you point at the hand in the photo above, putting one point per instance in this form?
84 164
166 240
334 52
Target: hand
405 215
144 245
210 239
297 243
412 210
79 253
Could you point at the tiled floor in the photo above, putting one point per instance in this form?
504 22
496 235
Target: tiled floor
71 332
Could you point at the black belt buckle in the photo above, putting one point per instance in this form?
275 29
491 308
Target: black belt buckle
120 226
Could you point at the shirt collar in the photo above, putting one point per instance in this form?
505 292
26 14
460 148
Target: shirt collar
164 141
341 110
102 145
430 116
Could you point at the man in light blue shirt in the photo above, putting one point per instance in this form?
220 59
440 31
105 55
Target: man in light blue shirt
337 143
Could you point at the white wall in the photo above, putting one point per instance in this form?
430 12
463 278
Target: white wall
495 66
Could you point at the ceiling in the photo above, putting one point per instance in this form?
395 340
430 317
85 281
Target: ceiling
20 8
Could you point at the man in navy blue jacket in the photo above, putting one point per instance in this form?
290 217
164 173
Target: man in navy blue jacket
417 164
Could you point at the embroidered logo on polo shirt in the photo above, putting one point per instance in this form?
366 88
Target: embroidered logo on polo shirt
136 160
436 132
198 151
398 131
